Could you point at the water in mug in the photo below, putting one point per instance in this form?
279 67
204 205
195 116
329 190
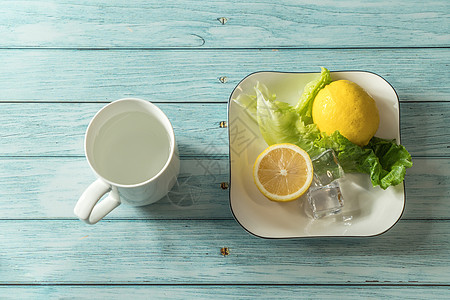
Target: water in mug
131 148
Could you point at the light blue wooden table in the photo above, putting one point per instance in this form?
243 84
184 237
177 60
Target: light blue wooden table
63 60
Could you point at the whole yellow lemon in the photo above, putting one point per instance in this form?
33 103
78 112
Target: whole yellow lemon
345 106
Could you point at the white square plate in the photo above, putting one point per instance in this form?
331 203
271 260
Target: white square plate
368 211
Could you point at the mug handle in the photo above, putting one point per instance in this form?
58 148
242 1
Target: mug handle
87 208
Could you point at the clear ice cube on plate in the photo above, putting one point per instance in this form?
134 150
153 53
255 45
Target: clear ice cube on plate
324 195
325 200
326 168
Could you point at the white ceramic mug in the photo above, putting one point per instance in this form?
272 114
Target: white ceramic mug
130 145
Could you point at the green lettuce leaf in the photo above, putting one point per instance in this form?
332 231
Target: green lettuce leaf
394 160
384 160
280 122
276 119
248 103
305 103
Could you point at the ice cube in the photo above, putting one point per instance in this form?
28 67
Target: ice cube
325 200
326 168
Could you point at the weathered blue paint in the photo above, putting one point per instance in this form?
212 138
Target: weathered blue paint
193 75
250 24
61 62
59 128
188 252
34 188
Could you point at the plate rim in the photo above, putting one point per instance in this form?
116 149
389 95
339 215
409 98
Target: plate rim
310 236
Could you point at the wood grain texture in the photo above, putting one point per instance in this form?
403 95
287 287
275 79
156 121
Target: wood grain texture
225 292
62 61
169 251
249 24
435 119
57 129
42 188
31 129
193 76
48 188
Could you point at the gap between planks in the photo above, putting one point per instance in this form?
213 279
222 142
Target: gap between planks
197 48
368 284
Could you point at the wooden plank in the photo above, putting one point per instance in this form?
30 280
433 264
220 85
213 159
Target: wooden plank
435 119
57 129
224 292
71 75
426 192
115 252
44 188
48 188
249 24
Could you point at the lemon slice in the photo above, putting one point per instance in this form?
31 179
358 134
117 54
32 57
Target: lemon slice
283 172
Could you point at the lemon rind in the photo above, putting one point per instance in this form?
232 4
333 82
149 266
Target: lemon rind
290 197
